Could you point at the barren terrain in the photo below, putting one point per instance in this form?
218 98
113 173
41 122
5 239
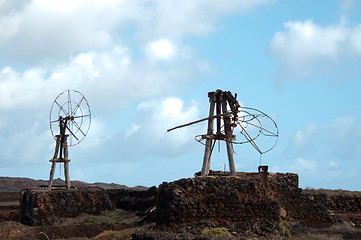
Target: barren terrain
126 224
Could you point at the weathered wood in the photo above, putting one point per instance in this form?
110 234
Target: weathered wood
57 145
208 147
218 102
54 160
61 143
218 111
228 131
66 173
52 171
66 164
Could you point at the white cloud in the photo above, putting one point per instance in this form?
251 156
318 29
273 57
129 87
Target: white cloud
147 137
165 114
131 130
324 153
78 45
38 31
339 139
306 49
157 116
185 18
100 48
162 49
96 135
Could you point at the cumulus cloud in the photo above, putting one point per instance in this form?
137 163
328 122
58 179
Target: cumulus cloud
161 49
36 31
117 53
51 46
146 136
338 138
325 152
161 115
306 49
100 76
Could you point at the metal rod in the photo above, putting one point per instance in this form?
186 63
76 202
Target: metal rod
200 120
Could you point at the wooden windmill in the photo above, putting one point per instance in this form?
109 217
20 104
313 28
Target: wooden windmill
225 109
71 113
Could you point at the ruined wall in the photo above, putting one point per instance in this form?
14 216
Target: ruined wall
241 201
45 207
307 209
345 206
217 201
235 202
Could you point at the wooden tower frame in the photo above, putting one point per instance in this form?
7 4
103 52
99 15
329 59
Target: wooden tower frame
219 101
61 154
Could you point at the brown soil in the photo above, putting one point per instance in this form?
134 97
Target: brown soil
90 226
14 230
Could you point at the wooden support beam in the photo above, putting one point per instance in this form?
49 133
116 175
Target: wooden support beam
66 164
228 131
208 147
62 145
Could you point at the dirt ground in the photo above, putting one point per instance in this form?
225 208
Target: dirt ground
96 227
82 227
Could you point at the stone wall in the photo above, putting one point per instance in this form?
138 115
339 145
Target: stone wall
45 207
217 201
307 209
240 201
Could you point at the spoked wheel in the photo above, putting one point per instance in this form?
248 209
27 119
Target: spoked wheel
72 106
256 128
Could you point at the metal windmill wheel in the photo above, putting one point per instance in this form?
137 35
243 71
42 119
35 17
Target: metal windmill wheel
72 106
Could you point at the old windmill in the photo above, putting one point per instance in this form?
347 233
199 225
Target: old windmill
250 124
70 117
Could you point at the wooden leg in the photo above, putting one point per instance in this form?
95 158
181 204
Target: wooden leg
232 167
66 173
229 133
57 147
66 164
207 158
208 148
53 165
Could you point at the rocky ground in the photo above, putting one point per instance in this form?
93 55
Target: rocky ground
121 224
129 227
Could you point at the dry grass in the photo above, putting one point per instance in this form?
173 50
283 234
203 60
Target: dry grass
115 235
106 217
73 238
320 237
332 192
215 232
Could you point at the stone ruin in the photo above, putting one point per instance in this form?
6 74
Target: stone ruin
240 203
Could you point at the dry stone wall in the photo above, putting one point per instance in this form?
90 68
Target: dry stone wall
217 201
241 201
41 207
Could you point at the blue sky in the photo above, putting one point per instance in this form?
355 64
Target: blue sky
146 66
